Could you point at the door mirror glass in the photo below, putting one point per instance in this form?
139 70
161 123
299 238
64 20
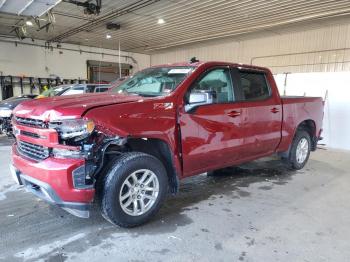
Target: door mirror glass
199 98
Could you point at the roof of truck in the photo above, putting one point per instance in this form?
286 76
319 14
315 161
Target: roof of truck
210 63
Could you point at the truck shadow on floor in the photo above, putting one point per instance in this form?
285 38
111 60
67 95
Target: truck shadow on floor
231 183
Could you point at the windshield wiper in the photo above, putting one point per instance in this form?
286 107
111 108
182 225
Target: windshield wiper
143 94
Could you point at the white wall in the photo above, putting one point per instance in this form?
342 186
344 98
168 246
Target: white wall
40 62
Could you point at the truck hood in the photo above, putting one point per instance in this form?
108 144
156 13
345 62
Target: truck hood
64 107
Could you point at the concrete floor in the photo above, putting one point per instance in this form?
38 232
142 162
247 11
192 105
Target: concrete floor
258 212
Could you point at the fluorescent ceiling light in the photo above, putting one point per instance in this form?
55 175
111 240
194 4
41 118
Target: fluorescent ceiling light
35 8
25 7
40 7
2 2
161 21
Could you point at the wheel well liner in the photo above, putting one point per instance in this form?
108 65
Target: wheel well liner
161 150
310 127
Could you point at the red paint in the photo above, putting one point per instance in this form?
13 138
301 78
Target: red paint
214 136
57 173
48 137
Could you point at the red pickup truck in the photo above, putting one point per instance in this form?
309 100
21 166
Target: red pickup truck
129 147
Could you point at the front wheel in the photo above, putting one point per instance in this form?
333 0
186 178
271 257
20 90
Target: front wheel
133 190
300 150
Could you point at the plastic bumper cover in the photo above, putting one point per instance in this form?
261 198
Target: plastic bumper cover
51 180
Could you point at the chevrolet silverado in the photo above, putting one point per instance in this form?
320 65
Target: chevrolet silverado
129 147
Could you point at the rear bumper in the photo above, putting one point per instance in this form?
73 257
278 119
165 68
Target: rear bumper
51 180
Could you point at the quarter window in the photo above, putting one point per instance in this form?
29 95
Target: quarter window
254 86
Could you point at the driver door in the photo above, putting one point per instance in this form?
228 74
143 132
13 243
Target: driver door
211 131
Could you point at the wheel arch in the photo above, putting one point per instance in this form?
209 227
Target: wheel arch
309 126
162 151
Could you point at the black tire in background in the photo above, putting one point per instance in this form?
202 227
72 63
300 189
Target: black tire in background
292 160
116 175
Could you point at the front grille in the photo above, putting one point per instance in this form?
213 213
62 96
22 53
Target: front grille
35 152
30 134
30 122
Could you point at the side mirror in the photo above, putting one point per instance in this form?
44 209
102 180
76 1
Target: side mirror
198 99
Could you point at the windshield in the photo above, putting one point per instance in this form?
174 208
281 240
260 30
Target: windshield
157 81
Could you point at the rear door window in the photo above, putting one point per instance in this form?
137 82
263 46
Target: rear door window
254 86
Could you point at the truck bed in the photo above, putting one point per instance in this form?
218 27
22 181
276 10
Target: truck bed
297 109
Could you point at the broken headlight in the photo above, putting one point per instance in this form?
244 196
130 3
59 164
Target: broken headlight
72 128
65 153
5 112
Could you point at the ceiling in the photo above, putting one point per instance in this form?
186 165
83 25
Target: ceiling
185 21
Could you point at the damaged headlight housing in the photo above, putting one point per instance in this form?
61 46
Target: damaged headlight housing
65 153
5 112
73 128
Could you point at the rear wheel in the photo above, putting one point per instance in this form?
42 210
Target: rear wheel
300 150
134 188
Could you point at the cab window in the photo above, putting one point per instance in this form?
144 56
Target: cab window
218 83
254 86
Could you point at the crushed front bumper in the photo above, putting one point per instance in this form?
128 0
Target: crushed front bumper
51 180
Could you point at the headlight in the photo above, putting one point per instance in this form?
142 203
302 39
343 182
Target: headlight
73 127
5 112
64 153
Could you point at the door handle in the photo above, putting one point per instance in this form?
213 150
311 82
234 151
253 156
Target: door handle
275 110
234 113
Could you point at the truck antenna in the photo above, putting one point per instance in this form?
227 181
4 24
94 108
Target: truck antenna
194 60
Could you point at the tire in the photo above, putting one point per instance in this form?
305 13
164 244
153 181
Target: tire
108 164
294 160
120 182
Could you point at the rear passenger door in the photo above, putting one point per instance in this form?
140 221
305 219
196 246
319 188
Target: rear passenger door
262 113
